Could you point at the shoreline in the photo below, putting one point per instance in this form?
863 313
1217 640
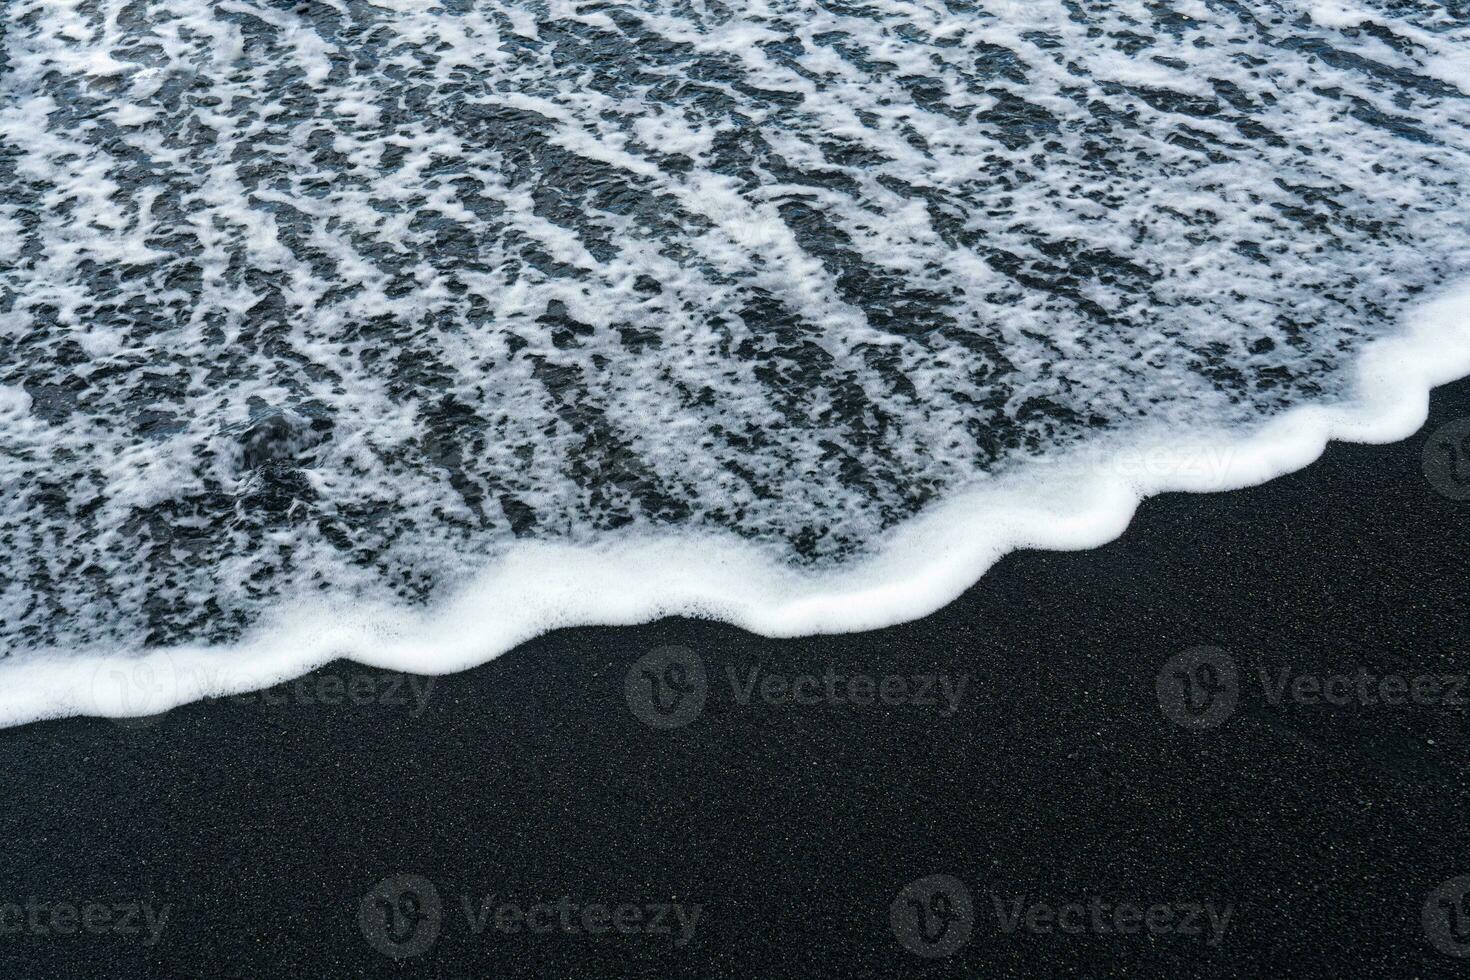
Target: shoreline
1064 778
924 564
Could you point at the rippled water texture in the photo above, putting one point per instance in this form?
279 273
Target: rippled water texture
349 296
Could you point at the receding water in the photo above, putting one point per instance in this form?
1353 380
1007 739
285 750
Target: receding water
348 300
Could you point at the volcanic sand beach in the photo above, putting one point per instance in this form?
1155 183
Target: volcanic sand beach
243 837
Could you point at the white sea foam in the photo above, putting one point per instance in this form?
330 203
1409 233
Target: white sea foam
1067 504
405 330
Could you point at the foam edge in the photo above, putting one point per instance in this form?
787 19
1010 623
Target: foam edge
1073 503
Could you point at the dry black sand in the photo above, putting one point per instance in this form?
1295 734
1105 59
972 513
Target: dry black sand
1323 828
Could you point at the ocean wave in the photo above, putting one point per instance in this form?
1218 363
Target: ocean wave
406 331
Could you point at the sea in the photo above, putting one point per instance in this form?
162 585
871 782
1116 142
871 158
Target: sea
407 330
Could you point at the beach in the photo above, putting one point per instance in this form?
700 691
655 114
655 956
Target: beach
810 489
1026 743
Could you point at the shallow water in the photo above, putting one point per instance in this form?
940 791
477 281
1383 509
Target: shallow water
350 301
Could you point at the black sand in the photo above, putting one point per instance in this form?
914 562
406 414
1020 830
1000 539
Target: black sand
1324 828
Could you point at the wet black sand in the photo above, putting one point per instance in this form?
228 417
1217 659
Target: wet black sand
1323 828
